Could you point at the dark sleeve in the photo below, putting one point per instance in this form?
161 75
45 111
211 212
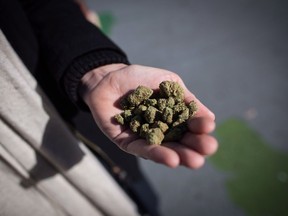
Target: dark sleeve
70 45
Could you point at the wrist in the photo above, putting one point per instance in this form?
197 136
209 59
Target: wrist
92 78
78 67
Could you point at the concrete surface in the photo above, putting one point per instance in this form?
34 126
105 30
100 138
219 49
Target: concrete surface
234 56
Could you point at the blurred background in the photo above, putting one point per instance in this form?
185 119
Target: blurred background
233 55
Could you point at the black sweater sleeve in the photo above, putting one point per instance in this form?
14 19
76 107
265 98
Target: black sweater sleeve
70 45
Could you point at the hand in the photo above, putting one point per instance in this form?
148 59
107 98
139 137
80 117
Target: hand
103 88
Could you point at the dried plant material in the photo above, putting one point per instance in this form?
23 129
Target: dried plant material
150 102
170 102
182 117
140 109
157 116
192 106
172 89
155 136
139 95
159 124
175 133
143 130
150 114
135 123
119 118
127 115
167 115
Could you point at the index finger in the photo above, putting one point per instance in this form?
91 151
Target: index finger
202 110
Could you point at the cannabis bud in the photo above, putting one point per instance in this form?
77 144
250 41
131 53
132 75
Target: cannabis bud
157 116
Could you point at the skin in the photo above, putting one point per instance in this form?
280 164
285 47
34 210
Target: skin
90 15
101 89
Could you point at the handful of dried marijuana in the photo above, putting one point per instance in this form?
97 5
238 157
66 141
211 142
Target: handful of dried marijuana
157 116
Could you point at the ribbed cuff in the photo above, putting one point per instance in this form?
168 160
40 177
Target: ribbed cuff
84 64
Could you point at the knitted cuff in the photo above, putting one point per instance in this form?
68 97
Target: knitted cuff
84 64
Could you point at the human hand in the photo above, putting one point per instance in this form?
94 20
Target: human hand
104 86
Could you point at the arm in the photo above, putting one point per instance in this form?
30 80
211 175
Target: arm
79 55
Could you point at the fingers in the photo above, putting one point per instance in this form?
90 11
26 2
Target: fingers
170 154
130 143
193 148
204 144
190 152
156 153
200 125
202 111
188 157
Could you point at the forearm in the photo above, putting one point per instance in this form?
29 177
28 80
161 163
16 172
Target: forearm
70 45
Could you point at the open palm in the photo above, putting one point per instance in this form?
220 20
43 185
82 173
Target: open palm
103 101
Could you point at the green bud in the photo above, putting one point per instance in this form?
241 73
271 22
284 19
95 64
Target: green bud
159 124
135 123
127 115
140 94
193 108
170 102
171 89
157 116
150 114
167 115
154 136
175 133
140 109
143 130
184 115
161 103
119 119
150 102
179 107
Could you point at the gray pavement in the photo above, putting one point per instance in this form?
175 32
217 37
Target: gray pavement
234 56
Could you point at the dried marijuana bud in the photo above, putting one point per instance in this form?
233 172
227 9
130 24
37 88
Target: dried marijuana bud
150 102
127 115
159 124
135 123
192 108
157 117
139 95
167 115
155 136
150 114
175 133
162 103
170 102
143 130
172 89
140 109
182 117
119 118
